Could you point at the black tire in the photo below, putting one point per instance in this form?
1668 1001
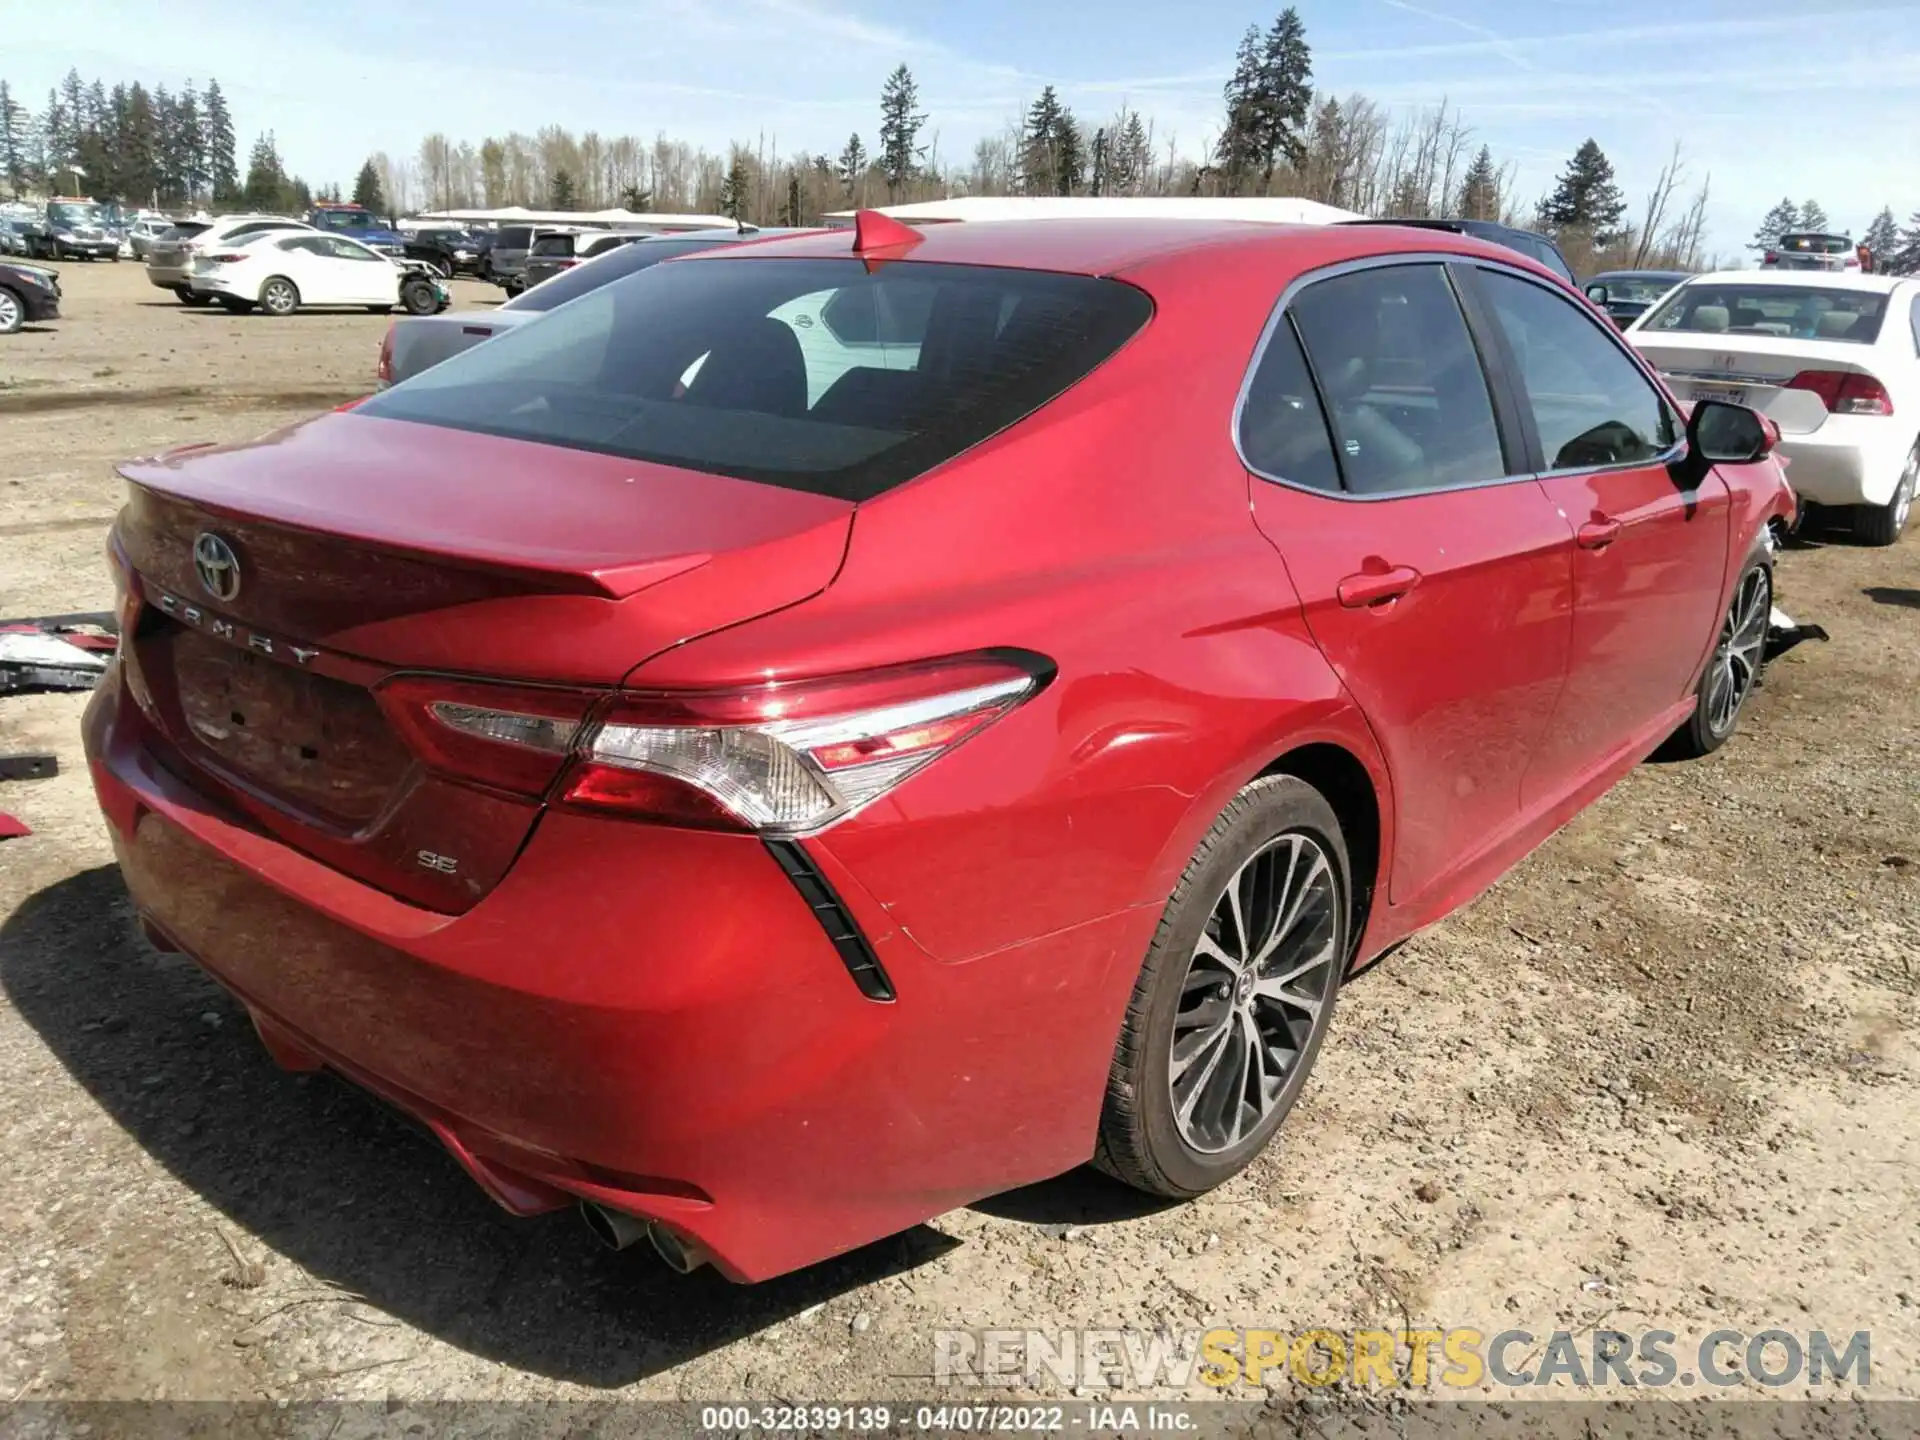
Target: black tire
234 305
13 310
1147 1135
417 296
1739 655
192 297
1882 524
279 296
379 309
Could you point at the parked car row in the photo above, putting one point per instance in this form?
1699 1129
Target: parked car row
790 572
279 265
28 294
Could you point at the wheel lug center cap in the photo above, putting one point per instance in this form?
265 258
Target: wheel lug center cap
1243 988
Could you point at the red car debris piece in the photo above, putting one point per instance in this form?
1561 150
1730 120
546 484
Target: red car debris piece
802 739
12 828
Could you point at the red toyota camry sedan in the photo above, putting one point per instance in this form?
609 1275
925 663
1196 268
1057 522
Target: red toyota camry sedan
813 734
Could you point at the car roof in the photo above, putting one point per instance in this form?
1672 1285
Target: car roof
1802 279
1113 246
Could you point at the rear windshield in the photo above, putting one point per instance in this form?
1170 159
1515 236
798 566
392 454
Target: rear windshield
1788 311
817 375
185 230
514 237
1816 244
552 245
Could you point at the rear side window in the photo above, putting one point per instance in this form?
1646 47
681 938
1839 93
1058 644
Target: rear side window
1283 431
726 366
1401 379
1550 257
515 237
1591 406
552 245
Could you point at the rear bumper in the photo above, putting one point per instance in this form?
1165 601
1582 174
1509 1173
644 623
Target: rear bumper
168 277
645 1017
1849 460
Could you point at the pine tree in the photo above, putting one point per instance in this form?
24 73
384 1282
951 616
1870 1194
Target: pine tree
1286 90
1051 157
188 147
1905 259
1882 238
734 189
138 181
561 190
366 190
54 151
13 142
852 167
1238 148
1812 217
1135 160
900 123
1586 199
792 215
1100 162
266 187
217 142
1480 190
1781 219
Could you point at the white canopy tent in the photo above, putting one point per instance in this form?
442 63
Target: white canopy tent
1266 209
610 219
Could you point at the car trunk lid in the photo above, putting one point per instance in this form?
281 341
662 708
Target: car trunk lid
1753 370
290 590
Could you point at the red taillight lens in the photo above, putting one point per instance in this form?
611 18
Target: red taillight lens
383 372
1845 392
501 736
1772 257
230 258
787 759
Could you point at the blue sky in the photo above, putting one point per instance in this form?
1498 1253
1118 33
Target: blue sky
1773 97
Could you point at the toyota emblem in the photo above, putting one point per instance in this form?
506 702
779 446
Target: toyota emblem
214 562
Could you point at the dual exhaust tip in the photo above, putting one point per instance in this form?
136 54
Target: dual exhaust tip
616 1230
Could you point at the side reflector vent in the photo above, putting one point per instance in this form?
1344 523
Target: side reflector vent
862 964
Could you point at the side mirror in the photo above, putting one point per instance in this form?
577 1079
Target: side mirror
1724 434
1597 294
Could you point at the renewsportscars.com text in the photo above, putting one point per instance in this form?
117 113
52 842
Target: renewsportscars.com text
1461 1358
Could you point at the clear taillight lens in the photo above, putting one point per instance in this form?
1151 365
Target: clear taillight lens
792 759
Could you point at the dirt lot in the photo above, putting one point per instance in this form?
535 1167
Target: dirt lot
1663 1076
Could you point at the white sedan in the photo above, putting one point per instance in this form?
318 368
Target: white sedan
1832 359
280 273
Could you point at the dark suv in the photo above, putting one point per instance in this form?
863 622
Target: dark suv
1529 243
449 252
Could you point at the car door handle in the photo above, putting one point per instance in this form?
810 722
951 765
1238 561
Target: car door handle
1598 534
1374 588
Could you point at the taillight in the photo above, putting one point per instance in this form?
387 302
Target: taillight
1772 257
782 759
791 759
383 372
507 737
231 258
1845 392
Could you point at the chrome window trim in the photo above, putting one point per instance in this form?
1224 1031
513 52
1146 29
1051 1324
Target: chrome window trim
1441 258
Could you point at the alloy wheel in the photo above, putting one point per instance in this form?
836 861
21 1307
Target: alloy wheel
1736 660
1260 975
10 313
279 298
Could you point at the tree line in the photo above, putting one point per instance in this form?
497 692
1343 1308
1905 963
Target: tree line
1278 135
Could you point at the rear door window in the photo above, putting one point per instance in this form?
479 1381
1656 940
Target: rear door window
1401 380
553 245
721 365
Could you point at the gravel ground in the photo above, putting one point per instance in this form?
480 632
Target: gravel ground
1662 1076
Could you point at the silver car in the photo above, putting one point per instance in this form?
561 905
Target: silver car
170 256
420 342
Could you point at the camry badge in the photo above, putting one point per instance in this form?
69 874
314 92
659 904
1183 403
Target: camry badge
216 565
